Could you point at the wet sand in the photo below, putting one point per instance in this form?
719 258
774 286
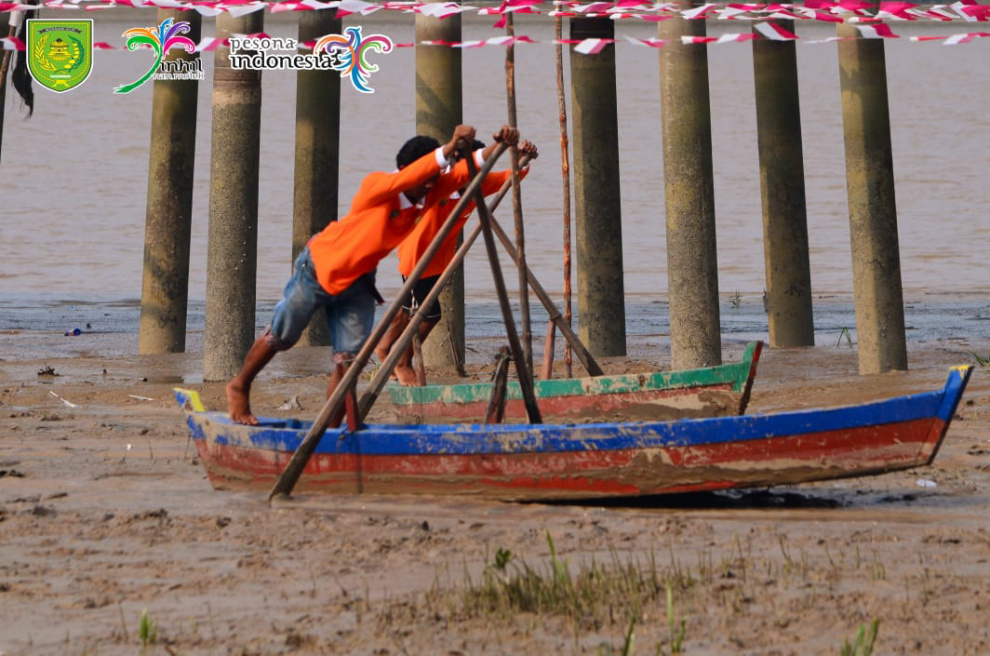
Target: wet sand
106 511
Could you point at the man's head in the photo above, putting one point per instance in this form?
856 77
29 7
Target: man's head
414 149
411 151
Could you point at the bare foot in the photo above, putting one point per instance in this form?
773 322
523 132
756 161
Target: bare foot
239 405
405 375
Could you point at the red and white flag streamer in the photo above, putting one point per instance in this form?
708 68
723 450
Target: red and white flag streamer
774 32
440 10
876 31
818 10
953 40
592 46
653 43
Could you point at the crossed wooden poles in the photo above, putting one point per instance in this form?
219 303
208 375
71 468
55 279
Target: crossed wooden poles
344 393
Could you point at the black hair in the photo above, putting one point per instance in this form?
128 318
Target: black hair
414 149
477 145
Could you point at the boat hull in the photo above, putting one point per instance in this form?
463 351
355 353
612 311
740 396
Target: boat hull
582 461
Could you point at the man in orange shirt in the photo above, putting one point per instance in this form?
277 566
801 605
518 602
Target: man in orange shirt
336 270
413 247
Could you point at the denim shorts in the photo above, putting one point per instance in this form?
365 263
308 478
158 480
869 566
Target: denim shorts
350 315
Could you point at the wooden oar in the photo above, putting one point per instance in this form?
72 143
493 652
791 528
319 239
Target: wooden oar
293 470
381 377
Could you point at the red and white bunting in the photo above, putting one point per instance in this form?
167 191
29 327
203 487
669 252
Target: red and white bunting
11 43
818 10
592 46
653 43
209 44
774 32
725 38
697 13
440 9
494 41
955 39
876 31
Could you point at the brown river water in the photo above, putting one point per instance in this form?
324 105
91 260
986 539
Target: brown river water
74 176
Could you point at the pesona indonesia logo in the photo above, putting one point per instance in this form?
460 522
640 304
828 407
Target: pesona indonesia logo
352 53
334 52
167 35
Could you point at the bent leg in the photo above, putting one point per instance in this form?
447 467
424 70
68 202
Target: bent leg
302 296
404 370
239 388
399 323
339 369
351 317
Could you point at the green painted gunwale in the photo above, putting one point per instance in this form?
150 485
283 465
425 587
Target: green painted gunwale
735 374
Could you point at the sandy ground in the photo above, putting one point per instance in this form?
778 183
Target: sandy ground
105 511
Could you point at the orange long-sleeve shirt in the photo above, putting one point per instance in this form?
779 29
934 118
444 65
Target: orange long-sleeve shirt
379 219
413 247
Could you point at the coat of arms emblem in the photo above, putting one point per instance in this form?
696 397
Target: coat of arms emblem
60 52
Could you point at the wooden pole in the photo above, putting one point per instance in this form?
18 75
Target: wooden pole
689 195
317 153
879 298
294 468
168 217
565 180
546 372
500 382
785 215
232 247
510 88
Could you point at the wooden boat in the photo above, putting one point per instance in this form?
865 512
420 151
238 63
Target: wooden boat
575 461
708 392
